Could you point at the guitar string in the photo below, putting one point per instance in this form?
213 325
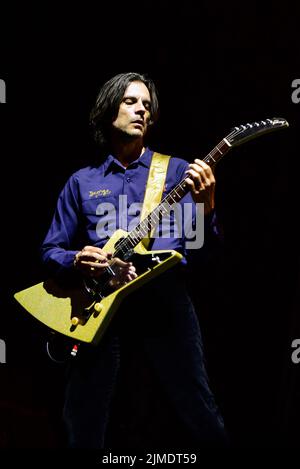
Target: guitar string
235 131
232 134
214 152
124 242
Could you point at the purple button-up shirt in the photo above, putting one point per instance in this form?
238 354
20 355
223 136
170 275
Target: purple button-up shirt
98 200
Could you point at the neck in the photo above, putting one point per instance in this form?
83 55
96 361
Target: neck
127 152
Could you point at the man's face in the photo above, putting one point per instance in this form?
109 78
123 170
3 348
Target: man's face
134 110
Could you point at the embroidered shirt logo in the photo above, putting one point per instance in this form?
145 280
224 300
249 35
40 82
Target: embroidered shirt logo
99 193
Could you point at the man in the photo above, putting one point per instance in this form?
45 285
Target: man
159 318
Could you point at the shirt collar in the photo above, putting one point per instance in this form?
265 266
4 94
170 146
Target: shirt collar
144 160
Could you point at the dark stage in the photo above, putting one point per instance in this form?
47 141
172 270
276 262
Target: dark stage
230 67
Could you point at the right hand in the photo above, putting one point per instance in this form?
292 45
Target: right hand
93 261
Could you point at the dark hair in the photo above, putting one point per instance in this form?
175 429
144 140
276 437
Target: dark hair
109 99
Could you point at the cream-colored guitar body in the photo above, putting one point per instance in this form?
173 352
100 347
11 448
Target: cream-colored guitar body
74 313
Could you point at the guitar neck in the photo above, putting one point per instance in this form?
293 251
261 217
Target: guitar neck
146 225
237 136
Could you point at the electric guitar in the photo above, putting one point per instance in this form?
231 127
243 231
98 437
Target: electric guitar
84 313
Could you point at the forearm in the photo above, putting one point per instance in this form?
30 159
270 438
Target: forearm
59 263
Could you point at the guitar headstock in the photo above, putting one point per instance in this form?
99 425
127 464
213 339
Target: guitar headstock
248 131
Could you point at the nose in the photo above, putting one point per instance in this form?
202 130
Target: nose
140 107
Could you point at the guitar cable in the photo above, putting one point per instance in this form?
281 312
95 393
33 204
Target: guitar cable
72 354
51 356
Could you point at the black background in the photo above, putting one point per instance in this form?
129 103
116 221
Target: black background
215 66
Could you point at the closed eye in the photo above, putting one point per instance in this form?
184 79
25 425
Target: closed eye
131 100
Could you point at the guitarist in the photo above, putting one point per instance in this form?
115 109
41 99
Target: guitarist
159 318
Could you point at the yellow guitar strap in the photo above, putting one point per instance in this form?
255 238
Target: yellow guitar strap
155 187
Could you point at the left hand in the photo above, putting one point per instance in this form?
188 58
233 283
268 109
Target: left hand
202 184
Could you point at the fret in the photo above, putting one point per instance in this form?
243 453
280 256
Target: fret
172 198
210 157
162 208
154 214
216 154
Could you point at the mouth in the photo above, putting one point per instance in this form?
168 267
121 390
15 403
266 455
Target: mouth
139 122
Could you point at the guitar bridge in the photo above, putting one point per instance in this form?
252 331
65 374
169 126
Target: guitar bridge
156 259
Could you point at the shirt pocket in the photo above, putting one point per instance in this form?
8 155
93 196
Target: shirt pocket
97 209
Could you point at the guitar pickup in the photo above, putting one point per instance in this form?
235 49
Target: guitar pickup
128 255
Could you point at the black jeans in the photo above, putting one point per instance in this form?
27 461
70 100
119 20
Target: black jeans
160 318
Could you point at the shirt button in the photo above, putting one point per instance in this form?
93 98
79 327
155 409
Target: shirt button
128 179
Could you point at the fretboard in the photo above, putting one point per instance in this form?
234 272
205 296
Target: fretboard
149 223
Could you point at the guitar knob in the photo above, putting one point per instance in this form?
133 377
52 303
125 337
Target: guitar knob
98 307
75 321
